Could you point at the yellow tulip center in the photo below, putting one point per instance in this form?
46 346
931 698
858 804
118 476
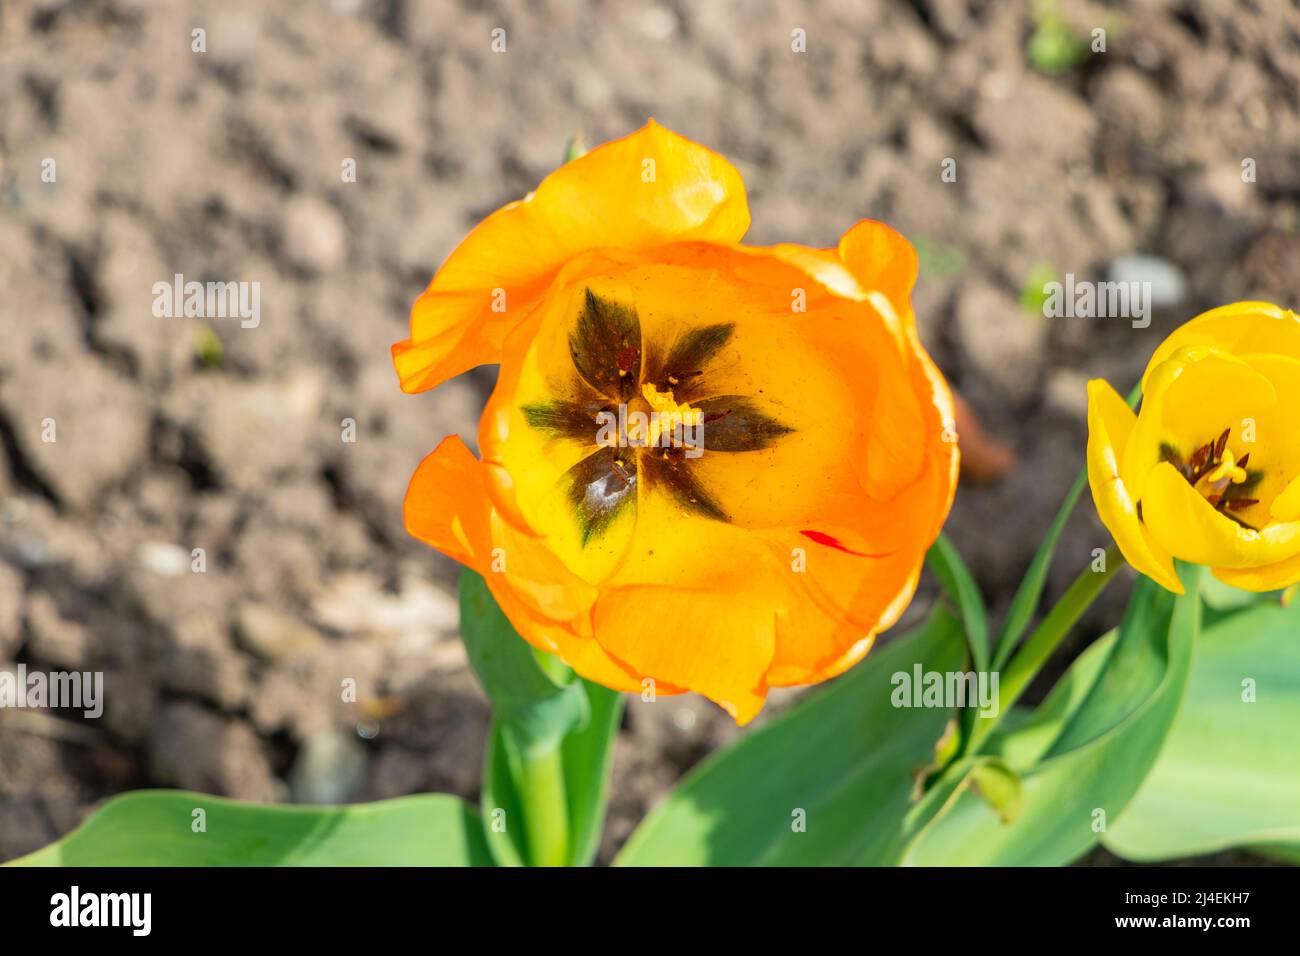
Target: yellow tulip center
1218 475
664 414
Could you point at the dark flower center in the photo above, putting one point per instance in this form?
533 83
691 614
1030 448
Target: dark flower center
620 377
1221 478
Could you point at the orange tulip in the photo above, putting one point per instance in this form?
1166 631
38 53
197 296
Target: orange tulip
712 466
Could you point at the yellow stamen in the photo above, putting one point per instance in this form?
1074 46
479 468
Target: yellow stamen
1228 468
668 409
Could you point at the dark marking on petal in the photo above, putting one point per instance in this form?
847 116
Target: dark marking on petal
599 488
574 420
672 474
680 370
736 423
606 346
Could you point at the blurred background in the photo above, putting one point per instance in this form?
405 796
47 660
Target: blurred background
227 165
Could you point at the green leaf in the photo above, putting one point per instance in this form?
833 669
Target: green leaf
1224 597
828 783
956 580
999 786
1026 735
1229 774
1106 744
586 755
585 758
546 767
1030 592
156 828
522 694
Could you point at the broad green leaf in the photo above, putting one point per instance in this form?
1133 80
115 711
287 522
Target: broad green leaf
585 753
157 828
828 783
1229 774
955 578
1105 747
1285 852
1026 735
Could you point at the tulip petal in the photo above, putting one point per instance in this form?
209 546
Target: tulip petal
1286 506
848 599
1189 399
447 506
1186 524
1266 577
710 641
1242 328
1110 425
644 190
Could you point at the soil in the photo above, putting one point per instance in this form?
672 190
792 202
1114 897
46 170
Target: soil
178 434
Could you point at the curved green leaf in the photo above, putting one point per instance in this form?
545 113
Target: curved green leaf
1229 774
828 783
585 755
162 828
522 694
1030 592
1104 748
955 578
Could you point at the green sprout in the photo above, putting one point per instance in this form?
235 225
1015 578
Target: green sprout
1054 47
1033 294
208 348
939 259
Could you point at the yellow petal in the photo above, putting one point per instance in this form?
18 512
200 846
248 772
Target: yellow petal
1188 526
1286 506
1266 577
1110 423
1242 328
1189 400
644 190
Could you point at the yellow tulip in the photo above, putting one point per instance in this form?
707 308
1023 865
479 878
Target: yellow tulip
710 466
1209 470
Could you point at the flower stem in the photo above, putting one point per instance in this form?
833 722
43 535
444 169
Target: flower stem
540 782
1044 640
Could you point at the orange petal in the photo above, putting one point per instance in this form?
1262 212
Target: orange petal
704 640
447 506
644 190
